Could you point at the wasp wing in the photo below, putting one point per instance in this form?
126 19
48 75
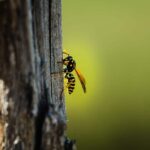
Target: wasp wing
82 79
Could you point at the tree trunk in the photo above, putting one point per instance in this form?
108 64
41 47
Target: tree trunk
32 109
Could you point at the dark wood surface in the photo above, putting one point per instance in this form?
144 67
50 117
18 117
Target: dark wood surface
32 109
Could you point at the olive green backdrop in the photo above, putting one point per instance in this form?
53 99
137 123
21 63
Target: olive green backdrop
110 40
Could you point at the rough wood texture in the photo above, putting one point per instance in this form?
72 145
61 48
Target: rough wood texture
32 110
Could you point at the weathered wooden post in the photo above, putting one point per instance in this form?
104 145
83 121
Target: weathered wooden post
32 109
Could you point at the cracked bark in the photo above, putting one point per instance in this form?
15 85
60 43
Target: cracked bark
32 109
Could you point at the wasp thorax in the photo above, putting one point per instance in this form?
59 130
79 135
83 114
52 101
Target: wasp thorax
69 63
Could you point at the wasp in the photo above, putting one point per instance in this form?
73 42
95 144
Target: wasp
70 66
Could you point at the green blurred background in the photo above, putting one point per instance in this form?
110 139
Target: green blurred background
110 40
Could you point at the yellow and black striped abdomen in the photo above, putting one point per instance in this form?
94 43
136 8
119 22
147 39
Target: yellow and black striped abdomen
71 82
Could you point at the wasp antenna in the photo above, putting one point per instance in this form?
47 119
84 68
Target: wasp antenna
65 52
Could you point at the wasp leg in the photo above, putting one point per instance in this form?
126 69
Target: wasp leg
60 62
70 89
56 73
61 94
